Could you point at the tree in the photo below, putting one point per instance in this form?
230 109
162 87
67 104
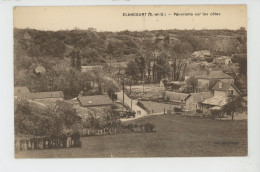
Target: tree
141 66
98 77
192 82
76 59
235 104
132 70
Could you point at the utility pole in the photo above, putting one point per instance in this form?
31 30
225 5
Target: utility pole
143 86
123 90
110 65
130 86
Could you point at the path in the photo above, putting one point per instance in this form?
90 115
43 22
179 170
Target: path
135 107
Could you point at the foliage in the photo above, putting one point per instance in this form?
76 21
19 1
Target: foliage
177 109
62 53
193 82
235 104
41 121
215 112
132 70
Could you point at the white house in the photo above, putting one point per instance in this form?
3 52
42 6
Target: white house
221 92
225 89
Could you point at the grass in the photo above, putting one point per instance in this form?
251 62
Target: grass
175 136
156 107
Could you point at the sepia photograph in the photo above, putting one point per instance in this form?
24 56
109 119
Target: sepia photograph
130 81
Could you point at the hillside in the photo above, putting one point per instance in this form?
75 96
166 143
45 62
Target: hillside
98 47
52 61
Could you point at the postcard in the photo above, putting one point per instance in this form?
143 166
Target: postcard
130 81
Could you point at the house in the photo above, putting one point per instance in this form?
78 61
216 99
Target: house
176 98
205 82
223 60
94 101
216 102
225 89
21 91
194 100
222 90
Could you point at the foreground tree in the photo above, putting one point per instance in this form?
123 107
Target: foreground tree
235 104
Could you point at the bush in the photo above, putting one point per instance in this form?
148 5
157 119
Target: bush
199 111
177 109
148 127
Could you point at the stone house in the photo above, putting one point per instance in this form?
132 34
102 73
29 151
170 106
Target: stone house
194 100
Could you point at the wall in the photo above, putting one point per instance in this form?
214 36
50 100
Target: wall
220 93
190 105
235 92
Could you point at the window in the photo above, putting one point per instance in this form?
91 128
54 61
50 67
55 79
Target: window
230 92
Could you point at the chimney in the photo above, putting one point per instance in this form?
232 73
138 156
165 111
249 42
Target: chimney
220 84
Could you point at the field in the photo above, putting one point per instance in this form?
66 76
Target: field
175 136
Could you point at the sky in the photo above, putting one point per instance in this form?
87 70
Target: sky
110 18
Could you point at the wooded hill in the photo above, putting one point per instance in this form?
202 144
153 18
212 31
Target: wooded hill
54 51
98 47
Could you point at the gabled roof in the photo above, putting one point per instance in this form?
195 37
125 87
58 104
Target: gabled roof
225 86
216 75
216 101
21 90
44 95
97 100
176 97
154 95
197 73
201 96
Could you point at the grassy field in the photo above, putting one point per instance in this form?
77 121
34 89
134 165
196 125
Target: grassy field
175 136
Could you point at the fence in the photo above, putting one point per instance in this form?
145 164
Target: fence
48 142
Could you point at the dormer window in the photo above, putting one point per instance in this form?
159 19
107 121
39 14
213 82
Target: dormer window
220 84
